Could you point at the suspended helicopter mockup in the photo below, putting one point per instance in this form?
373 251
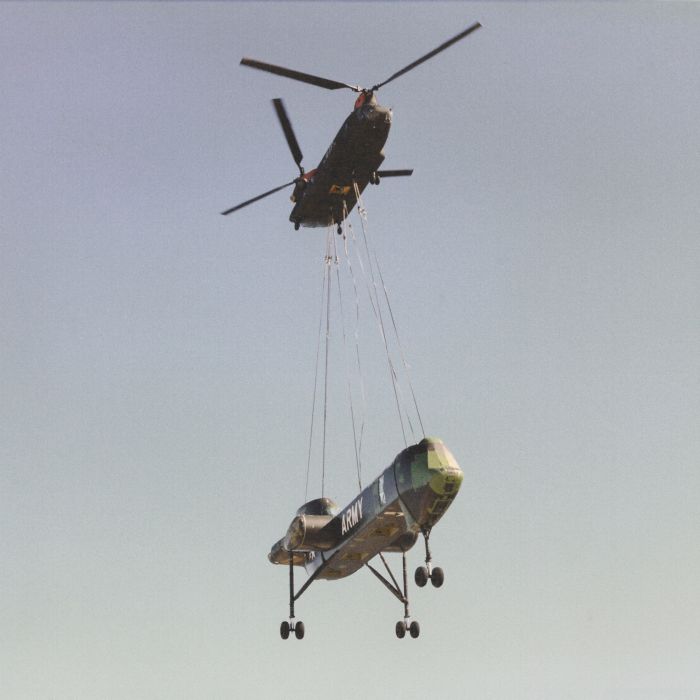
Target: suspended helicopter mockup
324 196
407 499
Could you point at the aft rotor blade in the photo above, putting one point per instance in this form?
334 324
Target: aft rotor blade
440 48
394 173
255 199
288 132
297 75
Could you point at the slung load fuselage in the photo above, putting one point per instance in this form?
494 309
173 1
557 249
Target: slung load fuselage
408 497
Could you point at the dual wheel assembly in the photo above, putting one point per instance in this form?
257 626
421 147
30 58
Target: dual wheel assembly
424 574
287 628
402 627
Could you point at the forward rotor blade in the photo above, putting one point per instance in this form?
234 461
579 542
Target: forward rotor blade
440 48
288 132
297 75
394 173
255 199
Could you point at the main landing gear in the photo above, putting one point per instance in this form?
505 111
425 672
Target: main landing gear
401 628
405 625
374 178
424 573
297 627
287 627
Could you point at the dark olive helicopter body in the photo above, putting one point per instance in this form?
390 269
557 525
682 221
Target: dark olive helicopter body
324 196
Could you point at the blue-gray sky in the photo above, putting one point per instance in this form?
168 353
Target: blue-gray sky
157 359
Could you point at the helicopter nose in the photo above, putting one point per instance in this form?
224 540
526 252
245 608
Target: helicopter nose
377 114
383 114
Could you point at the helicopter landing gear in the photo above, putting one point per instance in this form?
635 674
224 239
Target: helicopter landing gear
402 626
374 178
405 625
287 627
291 626
339 230
426 573
296 225
423 574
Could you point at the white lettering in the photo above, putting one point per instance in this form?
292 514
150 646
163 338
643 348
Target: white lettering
351 516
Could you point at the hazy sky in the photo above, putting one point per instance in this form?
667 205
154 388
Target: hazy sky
157 359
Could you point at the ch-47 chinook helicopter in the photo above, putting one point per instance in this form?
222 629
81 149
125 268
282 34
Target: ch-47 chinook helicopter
407 499
324 196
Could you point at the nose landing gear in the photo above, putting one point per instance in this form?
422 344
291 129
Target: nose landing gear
426 573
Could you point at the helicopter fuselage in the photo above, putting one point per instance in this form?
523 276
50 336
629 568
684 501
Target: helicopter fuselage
326 195
407 498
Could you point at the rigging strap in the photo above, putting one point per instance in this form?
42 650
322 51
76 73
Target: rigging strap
358 462
329 239
363 217
374 298
313 402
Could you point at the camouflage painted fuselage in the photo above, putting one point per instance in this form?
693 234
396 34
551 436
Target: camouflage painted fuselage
409 496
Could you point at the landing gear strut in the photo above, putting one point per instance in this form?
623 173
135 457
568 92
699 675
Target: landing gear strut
424 573
405 625
297 627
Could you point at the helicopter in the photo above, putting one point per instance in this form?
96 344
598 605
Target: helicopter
407 499
324 196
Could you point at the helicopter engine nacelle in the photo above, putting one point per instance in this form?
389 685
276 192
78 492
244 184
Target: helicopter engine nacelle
310 533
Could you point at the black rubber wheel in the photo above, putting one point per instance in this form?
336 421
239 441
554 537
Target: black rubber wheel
421 576
284 630
296 225
437 578
299 630
414 629
400 629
